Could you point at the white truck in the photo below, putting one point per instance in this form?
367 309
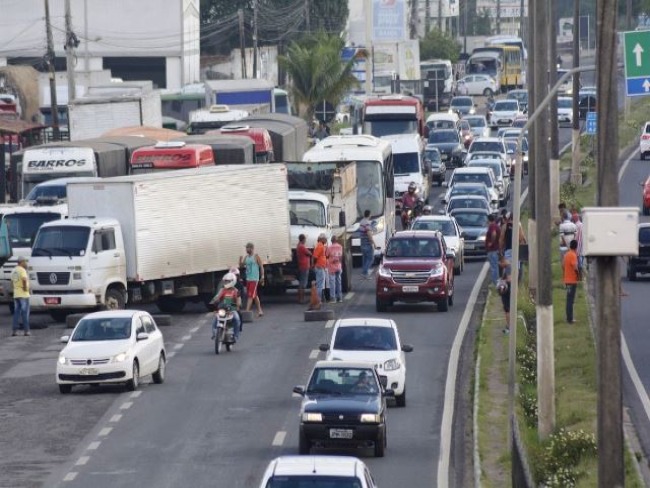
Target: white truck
160 237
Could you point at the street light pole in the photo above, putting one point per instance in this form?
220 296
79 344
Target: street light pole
575 130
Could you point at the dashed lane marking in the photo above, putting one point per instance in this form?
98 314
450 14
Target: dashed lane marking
278 440
116 418
186 337
330 323
93 446
313 354
135 394
178 346
82 460
348 296
126 405
171 355
70 476
105 431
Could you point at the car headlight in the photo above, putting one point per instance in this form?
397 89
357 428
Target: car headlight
63 360
221 312
370 418
118 358
525 159
481 238
384 272
472 110
392 365
312 417
438 270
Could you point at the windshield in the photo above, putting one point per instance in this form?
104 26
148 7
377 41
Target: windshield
483 66
316 481
406 163
103 329
414 248
505 105
564 103
486 146
432 155
307 212
471 178
64 240
467 203
339 381
521 96
461 102
495 167
480 190
476 121
142 169
379 128
464 125
23 227
58 192
441 124
370 188
438 136
203 127
30 180
365 338
445 226
511 144
471 219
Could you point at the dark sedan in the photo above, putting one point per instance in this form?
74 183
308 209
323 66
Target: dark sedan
462 106
344 405
473 223
447 141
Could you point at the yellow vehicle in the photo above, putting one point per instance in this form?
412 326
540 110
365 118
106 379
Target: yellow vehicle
503 63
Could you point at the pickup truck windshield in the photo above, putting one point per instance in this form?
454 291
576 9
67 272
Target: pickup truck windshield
62 240
414 248
23 227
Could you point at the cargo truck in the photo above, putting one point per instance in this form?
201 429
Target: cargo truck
226 149
165 156
288 133
165 238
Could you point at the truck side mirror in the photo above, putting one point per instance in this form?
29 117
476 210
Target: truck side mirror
342 222
5 243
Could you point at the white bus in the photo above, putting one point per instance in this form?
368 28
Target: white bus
375 187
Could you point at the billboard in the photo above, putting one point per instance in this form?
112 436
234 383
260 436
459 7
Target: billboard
509 8
389 20
401 58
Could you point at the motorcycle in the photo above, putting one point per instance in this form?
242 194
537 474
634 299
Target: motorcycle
409 214
225 333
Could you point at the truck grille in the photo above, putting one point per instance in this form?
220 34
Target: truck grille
410 277
53 278
348 419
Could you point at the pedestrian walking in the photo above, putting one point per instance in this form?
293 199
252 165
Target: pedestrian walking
367 244
254 277
335 269
492 247
20 281
505 243
568 232
503 289
303 255
571 278
320 265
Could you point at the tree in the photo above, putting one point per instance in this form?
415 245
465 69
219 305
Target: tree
317 72
438 45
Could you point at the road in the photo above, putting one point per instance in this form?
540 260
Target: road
219 420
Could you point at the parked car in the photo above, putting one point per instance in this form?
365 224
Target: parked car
317 471
447 141
504 113
438 167
343 405
477 85
451 233
473 223
462 105
645 197
117 346
417 267
644 141
640 263
479 125
521 95
375 341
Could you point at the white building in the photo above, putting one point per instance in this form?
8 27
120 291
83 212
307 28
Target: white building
157 40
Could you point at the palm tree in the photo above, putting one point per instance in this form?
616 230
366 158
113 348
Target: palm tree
317 72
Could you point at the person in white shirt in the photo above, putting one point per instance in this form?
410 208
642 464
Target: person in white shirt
568 232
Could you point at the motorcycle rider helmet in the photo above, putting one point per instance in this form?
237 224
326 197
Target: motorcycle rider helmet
427 210
229 280
412 187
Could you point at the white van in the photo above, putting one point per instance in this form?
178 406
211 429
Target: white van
409 165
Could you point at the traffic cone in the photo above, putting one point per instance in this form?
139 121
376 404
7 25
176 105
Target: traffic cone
314 301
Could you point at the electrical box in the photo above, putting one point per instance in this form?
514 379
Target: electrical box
610 231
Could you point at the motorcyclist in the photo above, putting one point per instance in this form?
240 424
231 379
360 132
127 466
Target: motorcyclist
427 210
409 202
229 296
242 293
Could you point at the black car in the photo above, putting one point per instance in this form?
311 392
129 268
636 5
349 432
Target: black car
447 141
438 168
640 263
462 105
473 223
586 104
344 405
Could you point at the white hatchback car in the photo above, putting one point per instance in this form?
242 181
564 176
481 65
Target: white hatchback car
317 471
504 113
117 346
644 141
375 341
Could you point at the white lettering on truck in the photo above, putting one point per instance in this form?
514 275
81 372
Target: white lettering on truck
56 163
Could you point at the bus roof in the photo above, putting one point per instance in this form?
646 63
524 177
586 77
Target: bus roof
349 148
393 100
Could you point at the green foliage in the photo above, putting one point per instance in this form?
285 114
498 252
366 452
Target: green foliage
562 454
317 73
438 45
482 24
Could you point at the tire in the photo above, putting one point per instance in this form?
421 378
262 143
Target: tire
346 274
380 445
228 347
134 382
59 315
642 156
381 305
114 300
450 299
488 92
218 341
443 305
400 400
631 273
170 304
65 389
159 375
304 446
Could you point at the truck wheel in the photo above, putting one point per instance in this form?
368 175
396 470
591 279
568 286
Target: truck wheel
488 92
114 299
170 304
59 315
346 275
381 305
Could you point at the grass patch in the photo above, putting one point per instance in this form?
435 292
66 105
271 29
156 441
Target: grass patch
568 458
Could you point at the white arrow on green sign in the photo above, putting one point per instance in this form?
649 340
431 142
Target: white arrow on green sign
637 54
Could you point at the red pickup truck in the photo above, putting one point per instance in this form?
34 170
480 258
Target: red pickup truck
417 267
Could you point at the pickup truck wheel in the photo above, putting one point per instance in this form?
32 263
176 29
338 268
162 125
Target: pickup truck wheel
65 389
59 315
381 305
400 400
631 273
170 304
380 445
443 305
114 300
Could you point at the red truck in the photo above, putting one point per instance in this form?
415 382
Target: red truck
392 115
166 156
417 267
260 136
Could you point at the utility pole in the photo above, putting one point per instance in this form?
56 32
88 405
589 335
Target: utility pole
555 144
71 43
242 43
628 14
440 15
522 19
465 9
608 301
532 153
543 240
255 54
576 177
413 20
307 17
427 16
498 17
50 61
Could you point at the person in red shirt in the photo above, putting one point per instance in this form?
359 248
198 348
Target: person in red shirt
303 255
492 247
335 269
571 278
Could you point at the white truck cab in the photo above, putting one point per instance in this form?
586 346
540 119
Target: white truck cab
309 214
409 165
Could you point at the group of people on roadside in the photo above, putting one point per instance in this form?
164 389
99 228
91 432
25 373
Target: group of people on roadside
326 262
570 233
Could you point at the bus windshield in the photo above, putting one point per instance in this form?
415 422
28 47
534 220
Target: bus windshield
370 188
24 226
379 128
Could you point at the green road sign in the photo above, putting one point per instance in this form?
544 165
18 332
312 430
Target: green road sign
637 54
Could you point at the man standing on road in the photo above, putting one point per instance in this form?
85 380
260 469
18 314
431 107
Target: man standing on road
320 265
303 255
571 278
335 269
367 244
20 280
568 232
254 277
492 247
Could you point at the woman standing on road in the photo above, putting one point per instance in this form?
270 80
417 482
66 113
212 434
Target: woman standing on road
254 277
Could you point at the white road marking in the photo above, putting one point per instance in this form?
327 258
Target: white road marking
135 394
178 346
450 384
94 445
313 354
330 323
105 431
126 405
348 296
295 395
116 418
82 460
70 476
170 355
278 440
186 337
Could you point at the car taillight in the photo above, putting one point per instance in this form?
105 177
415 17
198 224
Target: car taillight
645 137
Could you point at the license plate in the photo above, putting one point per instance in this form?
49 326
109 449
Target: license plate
444 157
410 289
52 300
341 433
89 371
469 246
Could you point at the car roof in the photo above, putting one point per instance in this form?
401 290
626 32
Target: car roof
458 197
431 147
468 210
343 364
473 169
317 465
112 314
433 218
487 139
474 116
371 321
415 233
